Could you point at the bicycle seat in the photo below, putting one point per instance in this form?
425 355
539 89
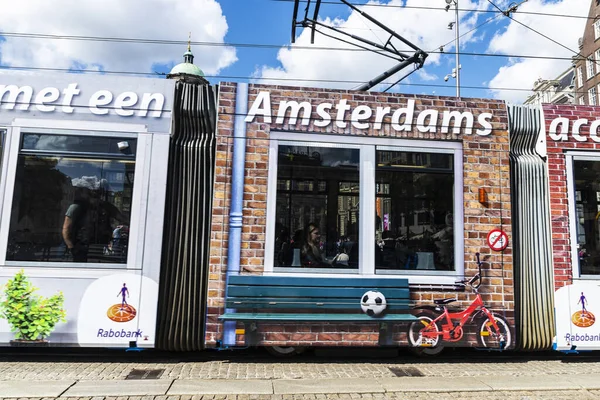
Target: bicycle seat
444 301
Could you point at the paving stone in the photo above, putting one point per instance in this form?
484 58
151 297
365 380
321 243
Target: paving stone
25 389
335 387
429 384
187 386
120 388
529 383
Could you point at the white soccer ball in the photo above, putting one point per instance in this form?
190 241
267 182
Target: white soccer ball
373 303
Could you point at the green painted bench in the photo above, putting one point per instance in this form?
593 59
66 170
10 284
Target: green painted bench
314 299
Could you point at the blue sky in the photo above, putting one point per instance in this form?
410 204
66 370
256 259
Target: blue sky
269 22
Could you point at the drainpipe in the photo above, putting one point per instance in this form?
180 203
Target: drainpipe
237 197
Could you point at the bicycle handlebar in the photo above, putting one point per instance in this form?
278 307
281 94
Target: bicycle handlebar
470 282
476 278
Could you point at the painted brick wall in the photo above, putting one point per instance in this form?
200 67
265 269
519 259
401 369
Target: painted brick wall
486 165
559 205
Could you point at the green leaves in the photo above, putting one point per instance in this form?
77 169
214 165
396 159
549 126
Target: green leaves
31 316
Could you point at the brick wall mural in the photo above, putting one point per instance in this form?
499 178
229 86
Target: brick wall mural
568 128
485 166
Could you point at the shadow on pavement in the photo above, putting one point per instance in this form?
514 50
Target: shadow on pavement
341 355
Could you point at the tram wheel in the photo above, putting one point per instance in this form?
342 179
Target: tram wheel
284 351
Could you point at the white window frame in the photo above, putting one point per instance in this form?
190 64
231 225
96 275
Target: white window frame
77 128
596 30
582 100
4 165
579 76
570 157
597 60
591 71
367 196
592 96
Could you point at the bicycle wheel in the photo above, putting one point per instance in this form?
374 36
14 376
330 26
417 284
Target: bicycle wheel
490 338
428 344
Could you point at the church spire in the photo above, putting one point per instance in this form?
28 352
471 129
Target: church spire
188 57
187 71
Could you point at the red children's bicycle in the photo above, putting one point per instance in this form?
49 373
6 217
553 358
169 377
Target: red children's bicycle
437 325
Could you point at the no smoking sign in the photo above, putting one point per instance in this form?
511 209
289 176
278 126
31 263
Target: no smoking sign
497 240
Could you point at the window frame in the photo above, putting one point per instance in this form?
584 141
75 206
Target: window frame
4 163
457 235
367 199
591 71
592 96
139 194
580 77
570 158
596 27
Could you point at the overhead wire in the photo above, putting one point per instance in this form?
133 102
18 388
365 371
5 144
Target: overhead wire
465 34
258 45
250 78
254 45
507 14
380 52
475 10
578 56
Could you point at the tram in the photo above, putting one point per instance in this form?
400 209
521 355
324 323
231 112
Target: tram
155 213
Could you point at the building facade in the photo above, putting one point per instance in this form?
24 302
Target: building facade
554 91
587 67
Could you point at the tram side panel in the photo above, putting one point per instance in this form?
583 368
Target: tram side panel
82 200
275 139
573 159
106 305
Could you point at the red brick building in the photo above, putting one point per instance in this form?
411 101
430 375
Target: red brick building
587 67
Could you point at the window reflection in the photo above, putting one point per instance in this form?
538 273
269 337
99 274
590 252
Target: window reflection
71 209
414 206
587 206
317 207
77 144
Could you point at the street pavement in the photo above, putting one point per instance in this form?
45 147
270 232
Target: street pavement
340 374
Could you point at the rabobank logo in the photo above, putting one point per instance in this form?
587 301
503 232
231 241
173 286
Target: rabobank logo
123 312
583 318
112 312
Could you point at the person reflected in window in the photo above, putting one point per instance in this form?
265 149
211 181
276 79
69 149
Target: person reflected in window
283 247
76 230
111 228
312 256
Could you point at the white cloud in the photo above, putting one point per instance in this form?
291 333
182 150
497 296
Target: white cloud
144 19
425 76
517 39
427 29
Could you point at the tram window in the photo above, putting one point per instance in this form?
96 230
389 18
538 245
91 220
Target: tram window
414 205
72 200
317 208
587 206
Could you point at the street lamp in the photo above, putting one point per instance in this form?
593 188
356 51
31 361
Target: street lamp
455 71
